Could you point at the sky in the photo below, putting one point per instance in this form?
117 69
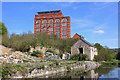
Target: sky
96 21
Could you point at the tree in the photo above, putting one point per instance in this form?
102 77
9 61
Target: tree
3 29
104 54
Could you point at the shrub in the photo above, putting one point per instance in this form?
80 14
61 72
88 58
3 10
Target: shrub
104 54
57 63
79 57
68 68
43 67
36 53
27 53
52 51
74 57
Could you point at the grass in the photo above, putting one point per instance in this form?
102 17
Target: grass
113 62
25 61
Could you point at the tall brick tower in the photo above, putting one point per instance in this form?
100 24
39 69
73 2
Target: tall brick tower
53 22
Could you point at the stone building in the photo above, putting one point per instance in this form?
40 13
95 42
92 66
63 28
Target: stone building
83 47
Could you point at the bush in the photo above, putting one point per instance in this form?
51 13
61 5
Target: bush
74 57
104 54
27 53
79 57
49 50
68 68
36 53
56 62
43 67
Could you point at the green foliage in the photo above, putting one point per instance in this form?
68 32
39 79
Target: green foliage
50 50
79 57
10 69
57 63
104 54
36 53
24 41
74 57
27 53
3 29
68 68
60 55
43 67
25 61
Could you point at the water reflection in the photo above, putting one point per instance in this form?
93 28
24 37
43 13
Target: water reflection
107 71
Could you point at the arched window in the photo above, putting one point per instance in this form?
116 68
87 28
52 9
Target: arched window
64 20
38 17
57 16
44 16
44 21
57 20
50 16
38 21
50 21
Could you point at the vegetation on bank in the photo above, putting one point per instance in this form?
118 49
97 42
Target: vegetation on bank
9 70
24 42
104 54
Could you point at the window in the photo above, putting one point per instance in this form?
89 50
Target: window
50 16
44 16
44 30
64 20
64 24
50 25
51 29
44 25
38 25
44 21
57 29
58 33
64 37
64 29
57 16
38 21
64 33
57 24
38 30
50 21
57 20
50 33
38 17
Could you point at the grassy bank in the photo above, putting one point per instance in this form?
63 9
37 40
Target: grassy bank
113 62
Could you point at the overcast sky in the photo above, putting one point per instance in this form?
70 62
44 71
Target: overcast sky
96 21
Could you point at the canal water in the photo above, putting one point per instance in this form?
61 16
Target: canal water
109 72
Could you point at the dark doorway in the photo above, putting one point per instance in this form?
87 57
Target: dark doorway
81 50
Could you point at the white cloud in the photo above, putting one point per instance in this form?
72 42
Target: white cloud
99 31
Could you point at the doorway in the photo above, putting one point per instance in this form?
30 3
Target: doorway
80 50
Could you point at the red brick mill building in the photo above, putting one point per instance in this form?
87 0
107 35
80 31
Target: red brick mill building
53 22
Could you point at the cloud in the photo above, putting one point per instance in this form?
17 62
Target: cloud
99 31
